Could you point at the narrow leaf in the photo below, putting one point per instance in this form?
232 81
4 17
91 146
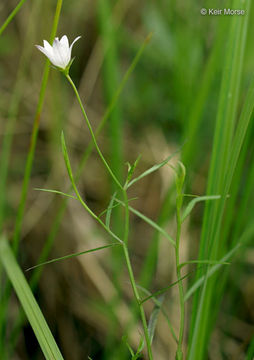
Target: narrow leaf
131 169
156 301
28 302
154 318
165 289
152 169
193 202
124 339
68 166
140 348
250 353
57 192
71 256
211 271
109 210
209 262
114 206
150 222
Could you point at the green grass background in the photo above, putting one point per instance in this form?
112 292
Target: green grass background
191 89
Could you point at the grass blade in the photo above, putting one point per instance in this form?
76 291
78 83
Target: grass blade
193 202
72 255
250 352
154 317
156 301
57 192
11 16
28 302
165 289
69 170
210 246
150 222
109 210
152 169
211 271
208 262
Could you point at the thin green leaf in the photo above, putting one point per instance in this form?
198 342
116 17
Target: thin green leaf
154 318
250 353
209 262
68 166
109 210
156 301
152 169
11 16
114 206
193 202
71 256
212 244
140 348
57 192
106 210
180 177
124 339
28 302
150 222
211 271
131 169
165 289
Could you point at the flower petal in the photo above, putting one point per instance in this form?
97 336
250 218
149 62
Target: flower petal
46 53
64 41
61 54
43 50
77 38
47 46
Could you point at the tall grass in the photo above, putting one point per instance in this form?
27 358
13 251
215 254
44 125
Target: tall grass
228 141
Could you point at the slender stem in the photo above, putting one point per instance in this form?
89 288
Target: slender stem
126 228
138 300
127 217
11 16
30 157
92 133
131 276
29 162
179 352
84 204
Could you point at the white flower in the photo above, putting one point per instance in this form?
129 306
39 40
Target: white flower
60 53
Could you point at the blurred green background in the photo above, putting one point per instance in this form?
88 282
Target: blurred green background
168 103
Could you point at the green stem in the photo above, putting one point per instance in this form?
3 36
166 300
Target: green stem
68 165
138 300
28 167
126 228
11 16
92 133
179 352
132 278
30 157
127 217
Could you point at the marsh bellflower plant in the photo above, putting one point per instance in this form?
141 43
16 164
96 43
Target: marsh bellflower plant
60 53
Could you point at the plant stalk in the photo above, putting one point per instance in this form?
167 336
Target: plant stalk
179 352
126 227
